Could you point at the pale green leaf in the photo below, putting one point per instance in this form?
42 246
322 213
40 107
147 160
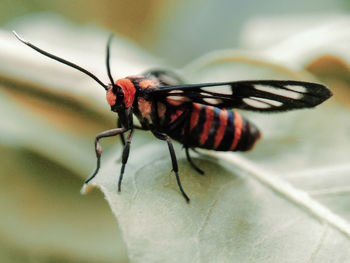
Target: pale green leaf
246 208
237 213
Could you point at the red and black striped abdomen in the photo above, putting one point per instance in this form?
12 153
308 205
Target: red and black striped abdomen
217 129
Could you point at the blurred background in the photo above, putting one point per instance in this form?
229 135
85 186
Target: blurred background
177 31
50 113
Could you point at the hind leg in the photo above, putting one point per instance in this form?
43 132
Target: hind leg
194 166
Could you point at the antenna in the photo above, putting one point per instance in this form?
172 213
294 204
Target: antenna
107 59
60 60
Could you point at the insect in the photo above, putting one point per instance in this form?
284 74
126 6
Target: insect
196 115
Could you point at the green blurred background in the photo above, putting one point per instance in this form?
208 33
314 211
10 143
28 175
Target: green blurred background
177 31
47 129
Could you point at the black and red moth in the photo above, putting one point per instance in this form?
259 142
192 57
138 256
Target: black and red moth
196 115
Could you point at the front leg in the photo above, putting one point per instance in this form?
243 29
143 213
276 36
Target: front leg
136 127
98 148
119 125
173 160
125 157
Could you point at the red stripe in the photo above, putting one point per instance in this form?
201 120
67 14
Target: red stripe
207 125
221 130
194 115
238 130
176 115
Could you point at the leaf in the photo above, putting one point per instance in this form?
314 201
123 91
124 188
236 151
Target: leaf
232 216
246 208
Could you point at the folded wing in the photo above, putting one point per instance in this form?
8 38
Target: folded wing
259 95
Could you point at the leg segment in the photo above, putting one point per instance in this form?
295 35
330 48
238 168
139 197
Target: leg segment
191 162
125 157
98 148
119 125
173 160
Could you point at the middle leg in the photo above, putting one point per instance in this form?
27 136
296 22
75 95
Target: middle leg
173 160
125 157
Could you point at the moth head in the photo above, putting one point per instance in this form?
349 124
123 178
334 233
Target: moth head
121 94
115 97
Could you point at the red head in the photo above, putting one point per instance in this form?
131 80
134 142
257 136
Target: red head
120 95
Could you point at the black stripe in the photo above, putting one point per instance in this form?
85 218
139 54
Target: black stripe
209 143
198 129
186 135
243 140
250 134
229 133
168 113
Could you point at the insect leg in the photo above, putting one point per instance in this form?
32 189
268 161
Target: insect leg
191 162
173 160
125 157
119 125
98 148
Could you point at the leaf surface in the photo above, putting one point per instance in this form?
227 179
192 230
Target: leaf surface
263 206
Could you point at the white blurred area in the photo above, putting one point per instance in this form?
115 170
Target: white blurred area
297 39
193 28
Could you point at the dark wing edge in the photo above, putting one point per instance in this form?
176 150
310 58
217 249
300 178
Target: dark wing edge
256 95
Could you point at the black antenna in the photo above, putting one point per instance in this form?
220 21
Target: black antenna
60 60
107 59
